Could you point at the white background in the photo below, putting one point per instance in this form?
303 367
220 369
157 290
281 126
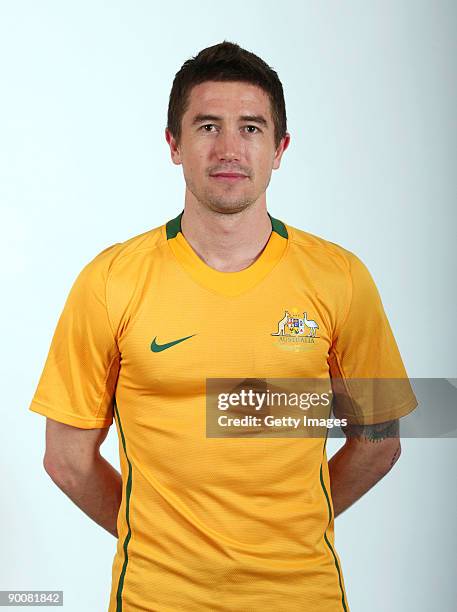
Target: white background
371 96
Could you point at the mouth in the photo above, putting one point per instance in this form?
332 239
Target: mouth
230 177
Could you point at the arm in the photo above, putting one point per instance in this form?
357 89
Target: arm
73 461
369 453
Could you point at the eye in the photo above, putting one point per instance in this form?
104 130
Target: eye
209 125
252 126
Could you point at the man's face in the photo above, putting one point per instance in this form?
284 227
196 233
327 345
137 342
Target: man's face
227 128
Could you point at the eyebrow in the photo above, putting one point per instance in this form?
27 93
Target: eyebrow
260 119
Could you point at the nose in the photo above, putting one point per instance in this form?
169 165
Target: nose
228 145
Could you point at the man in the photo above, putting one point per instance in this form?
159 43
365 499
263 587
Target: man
223 290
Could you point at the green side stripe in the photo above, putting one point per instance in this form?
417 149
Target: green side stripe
127 514
174 226
325 534
278 227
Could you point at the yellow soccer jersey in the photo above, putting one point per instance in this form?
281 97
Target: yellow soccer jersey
221 524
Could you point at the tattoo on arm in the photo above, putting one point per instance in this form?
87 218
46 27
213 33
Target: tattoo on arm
374 433
395 457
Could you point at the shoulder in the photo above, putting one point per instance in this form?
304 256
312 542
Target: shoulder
111 258
306 240
329 263
323 252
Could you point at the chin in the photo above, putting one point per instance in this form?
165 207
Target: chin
229 207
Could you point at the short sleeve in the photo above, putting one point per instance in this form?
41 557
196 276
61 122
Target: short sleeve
369 380
79 378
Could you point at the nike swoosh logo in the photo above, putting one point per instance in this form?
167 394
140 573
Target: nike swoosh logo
157 348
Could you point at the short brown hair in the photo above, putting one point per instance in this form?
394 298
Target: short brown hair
226 61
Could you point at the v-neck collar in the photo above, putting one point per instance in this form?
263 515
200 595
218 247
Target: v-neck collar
229 284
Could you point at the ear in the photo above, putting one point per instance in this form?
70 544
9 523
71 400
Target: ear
284 143
175 150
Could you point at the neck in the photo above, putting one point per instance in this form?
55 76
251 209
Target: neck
228 242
